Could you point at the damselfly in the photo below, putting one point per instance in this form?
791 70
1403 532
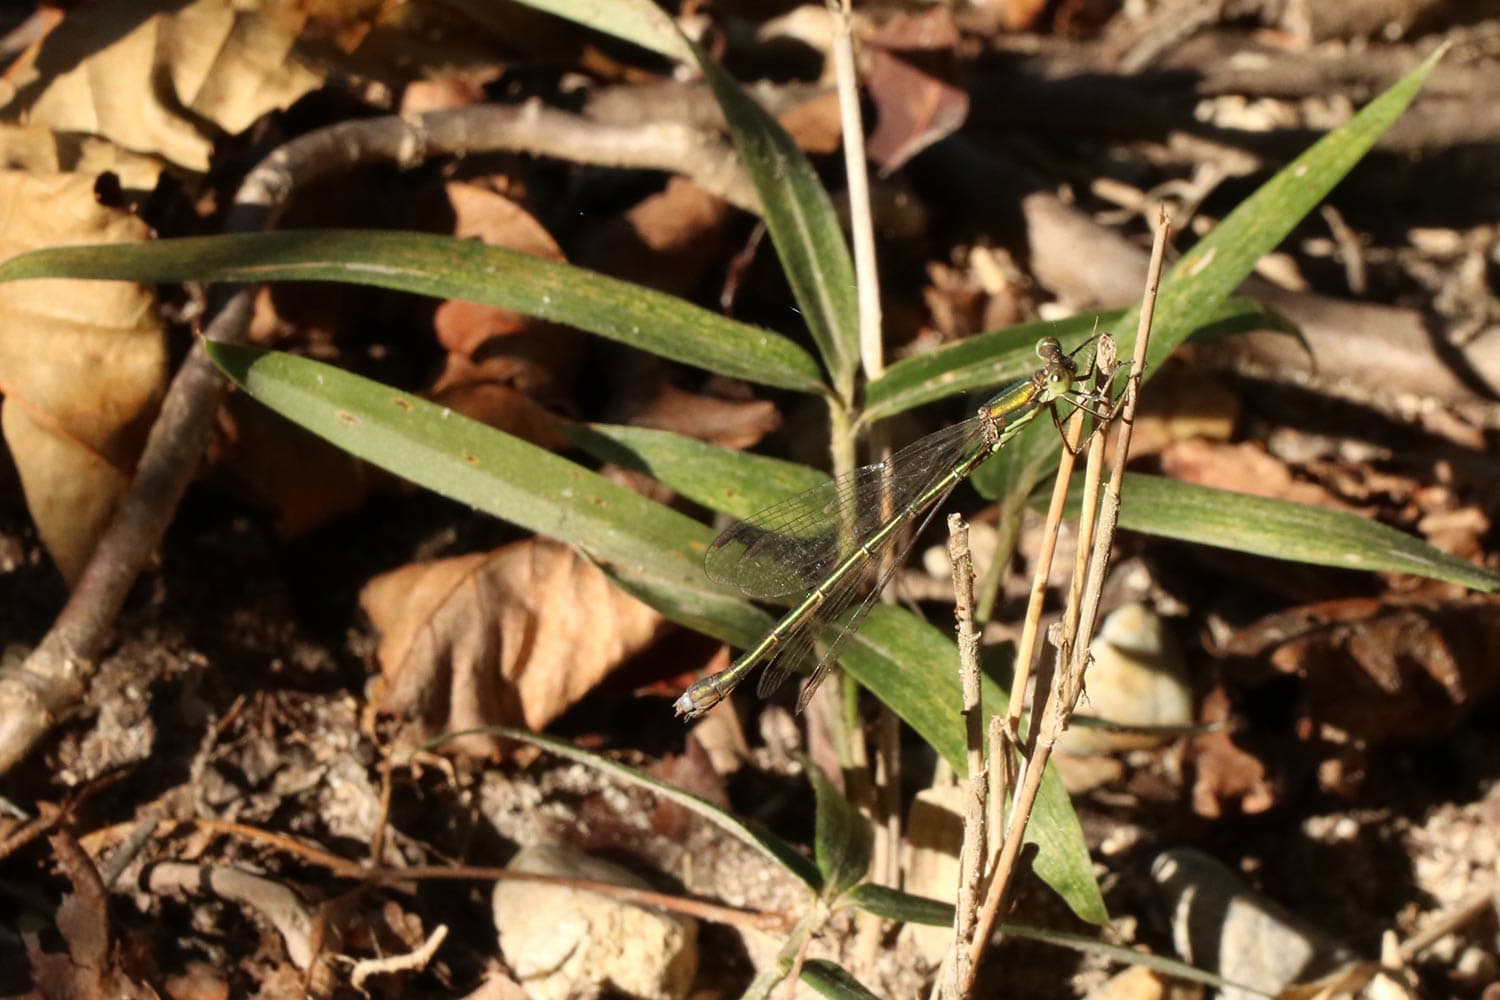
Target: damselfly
830 540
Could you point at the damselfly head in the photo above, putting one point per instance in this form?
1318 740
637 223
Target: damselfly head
1059 382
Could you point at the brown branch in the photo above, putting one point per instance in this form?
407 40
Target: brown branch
54 678
973 851
379 875
1084 91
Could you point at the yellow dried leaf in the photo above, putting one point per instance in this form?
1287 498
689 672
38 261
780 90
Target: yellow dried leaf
217 62
82 364
39 150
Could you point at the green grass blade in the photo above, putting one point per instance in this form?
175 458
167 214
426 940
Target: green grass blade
981 363
654 551
1209 272
1196 288
973 365
1128 956
1281 529
842 838
802 223
834 981
628 534
448 268
639 22
731 482
913 668
778 850
907 908
528 486
893 904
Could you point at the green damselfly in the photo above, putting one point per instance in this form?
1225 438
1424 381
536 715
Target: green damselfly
830 540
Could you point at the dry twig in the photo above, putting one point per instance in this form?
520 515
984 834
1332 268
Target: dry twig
55 676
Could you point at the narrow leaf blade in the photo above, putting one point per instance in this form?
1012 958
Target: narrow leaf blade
1209 272
842 838
1204 278
913 668
896 905
1281 529
893 904
639 22
834 981
987 360
448 268
778 850
730 482
973 364
802 224
460 458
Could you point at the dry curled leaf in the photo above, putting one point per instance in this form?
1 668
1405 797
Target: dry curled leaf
150 76
670 240
39 150
1329 682
495 220
93 967
1021 15
499 361
728 423
463 388
513 636
1380 670
1227 776
82 365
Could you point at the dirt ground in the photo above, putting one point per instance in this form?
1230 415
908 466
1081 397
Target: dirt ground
252 713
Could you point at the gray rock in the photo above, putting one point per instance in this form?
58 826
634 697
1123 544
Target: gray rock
1221 925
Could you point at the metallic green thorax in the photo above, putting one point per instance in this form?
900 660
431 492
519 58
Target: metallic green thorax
1000 419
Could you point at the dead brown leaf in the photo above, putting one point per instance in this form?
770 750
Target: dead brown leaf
667 241
147 76
463 389
728 423
1459 531
82 365
1225 772
693 772
913 81
1243 468
1021 15
1369 672
90 969
495 220
1183 405
814 124
514 636
302 477
490 346
1380 670
197 981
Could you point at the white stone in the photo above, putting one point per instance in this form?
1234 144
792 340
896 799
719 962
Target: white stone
1136 679
560 942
